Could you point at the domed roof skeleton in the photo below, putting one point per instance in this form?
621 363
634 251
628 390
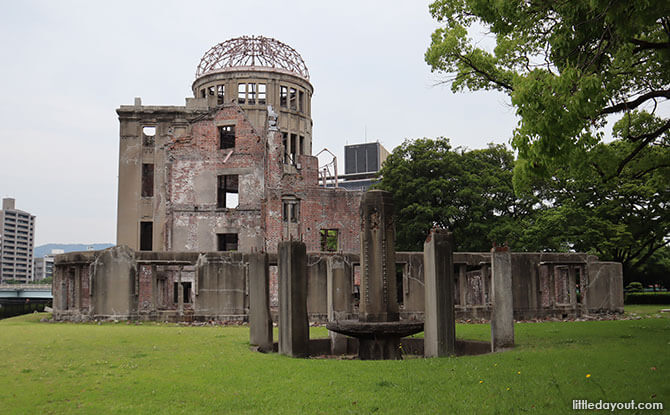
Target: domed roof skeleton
251 52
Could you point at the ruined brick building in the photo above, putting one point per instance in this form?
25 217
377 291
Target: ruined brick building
208 189
232 170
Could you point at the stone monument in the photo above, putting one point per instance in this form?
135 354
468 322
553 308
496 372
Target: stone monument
378 328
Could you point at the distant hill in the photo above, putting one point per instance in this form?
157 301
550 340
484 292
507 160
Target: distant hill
42 250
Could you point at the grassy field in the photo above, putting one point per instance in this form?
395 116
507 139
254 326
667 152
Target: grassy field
58 368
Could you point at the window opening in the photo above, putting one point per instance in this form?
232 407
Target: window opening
186 287
329 239
241 93
251 94
283 96
226 241
220 94
291 210
226 136
301 148
146 236
301 101
203 94
262 94
227 191
147 180
294 138
210 91
284 137
292 98
148 136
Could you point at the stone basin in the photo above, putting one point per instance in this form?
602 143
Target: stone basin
377 340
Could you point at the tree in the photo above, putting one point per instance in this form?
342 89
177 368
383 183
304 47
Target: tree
468 192
567 66
624 219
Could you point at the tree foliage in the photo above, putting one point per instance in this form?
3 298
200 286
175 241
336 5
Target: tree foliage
469 192
567 65
624 219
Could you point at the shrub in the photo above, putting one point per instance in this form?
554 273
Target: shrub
634 287
647 298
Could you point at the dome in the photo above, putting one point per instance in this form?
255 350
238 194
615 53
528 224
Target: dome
252 52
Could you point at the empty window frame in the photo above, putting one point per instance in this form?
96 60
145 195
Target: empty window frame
220 94
210 91
241 93
284 138
262 94
226 136
146 236
148 136
186 287
301 147
251 94
301 101
283 96
227 194
293 99
226 241
291 210
329 240
294 144
147 180
203 93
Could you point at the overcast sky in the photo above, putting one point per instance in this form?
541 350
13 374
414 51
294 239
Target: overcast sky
67 66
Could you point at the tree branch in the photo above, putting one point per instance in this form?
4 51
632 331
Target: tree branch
636 102
641 45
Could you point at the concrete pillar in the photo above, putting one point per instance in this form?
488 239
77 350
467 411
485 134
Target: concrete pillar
180 294
438 277
339 287
260 321
378 284
502 308
293 324
463 284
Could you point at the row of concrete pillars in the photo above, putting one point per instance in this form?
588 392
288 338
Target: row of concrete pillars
439 325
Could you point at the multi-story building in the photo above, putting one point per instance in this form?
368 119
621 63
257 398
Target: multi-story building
233 168
17 230
43 267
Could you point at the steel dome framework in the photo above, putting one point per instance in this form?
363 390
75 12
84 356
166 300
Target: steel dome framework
252 52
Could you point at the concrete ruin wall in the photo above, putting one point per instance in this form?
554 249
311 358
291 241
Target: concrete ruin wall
119 283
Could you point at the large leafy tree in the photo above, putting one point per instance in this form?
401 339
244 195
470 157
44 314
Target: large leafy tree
567 66
469 192
624 219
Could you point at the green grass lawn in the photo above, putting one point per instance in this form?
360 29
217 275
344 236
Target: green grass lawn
162 369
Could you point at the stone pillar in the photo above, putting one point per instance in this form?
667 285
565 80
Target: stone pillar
180 294
438 277
378 295
260 322
293 324
502 309
463 285
339 286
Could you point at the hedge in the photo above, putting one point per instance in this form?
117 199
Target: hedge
660 298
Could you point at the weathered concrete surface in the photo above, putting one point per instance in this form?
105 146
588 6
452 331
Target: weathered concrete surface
603 290
440 323
317 290
293 323
113 285
502 312
221 286
378 284
340 307
260 322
